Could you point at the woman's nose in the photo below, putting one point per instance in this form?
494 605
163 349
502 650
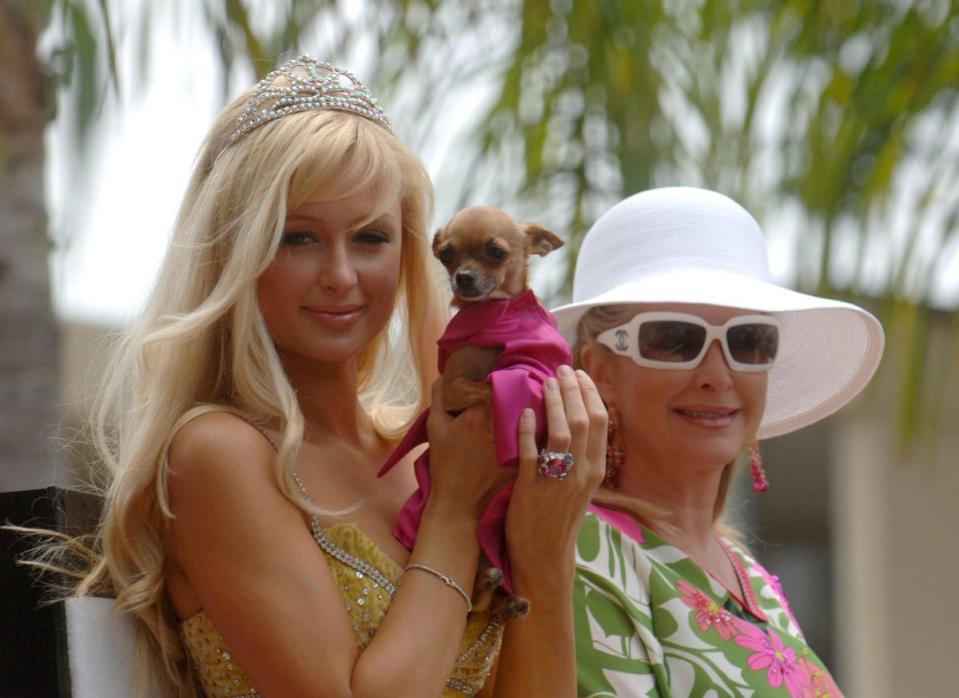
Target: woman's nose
713 372
337 272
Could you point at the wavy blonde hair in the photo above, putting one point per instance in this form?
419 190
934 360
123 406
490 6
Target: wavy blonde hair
201 343
595 321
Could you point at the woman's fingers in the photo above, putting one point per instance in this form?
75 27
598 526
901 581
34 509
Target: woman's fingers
438 419
556 425
577 421
576 424
598 420
574 410
527 445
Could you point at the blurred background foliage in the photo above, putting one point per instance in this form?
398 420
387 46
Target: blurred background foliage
832 120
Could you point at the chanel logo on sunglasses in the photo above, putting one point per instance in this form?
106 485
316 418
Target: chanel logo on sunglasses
622 340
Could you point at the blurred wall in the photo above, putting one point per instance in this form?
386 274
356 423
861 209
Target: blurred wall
896 554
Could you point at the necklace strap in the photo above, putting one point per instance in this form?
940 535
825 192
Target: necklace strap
261 430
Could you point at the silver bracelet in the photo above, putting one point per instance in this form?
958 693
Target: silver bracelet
447 580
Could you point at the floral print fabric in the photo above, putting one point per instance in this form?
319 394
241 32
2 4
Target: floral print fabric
650 622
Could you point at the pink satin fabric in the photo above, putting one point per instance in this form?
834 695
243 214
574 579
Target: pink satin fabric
532 350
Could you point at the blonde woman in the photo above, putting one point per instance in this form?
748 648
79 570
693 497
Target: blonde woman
697 354
289 340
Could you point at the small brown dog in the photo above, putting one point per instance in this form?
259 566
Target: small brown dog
486 253
499 349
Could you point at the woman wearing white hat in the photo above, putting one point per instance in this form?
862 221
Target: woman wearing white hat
697 354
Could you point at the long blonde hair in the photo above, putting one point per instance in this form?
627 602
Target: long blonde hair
201 344
595 321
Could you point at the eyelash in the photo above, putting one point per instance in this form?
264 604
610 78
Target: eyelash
366 237
375 237
296 238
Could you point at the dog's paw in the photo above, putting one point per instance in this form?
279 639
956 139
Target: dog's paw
508 605
487 581
516 607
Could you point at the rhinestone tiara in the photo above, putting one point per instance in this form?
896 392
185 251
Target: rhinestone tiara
302 84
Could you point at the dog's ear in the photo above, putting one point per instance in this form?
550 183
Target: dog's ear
439 237
539 240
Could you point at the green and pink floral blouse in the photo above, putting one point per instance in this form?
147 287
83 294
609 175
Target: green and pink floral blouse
650 622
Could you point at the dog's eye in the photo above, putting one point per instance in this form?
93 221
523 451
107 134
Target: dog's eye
446 256
496 253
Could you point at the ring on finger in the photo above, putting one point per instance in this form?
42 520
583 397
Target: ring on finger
554 464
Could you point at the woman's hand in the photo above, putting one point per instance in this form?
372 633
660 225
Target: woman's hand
463 469
538 657
545 513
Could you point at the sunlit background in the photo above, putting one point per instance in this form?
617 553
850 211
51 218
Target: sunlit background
835 123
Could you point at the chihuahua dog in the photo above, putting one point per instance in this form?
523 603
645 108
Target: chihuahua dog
486 254
498 349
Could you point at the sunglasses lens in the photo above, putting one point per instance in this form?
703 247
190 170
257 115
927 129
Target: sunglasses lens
670 341
754 344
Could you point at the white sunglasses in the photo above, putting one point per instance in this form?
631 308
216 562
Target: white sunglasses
680 341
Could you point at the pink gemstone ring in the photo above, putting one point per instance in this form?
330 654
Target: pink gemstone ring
554 464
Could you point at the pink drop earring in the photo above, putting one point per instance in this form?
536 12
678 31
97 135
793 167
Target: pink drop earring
756 470
614 450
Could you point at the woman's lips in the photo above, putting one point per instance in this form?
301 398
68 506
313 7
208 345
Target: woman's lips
336 316
712 418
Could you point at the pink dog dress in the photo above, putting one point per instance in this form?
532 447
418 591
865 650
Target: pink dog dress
532 350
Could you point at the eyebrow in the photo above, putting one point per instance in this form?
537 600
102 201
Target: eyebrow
306 217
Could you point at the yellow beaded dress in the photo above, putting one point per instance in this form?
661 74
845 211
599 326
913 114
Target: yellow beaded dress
367 579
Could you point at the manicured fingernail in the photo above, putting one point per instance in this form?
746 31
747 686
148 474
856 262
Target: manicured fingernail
565 371
551 384
581 374
527 415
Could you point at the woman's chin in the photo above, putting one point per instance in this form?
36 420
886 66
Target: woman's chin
714 453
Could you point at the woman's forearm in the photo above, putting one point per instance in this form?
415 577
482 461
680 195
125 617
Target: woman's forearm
538 657
414 649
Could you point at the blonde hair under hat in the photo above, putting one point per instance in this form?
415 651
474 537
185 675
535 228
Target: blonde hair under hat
689 245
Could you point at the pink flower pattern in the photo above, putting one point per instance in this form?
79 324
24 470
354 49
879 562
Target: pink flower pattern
780 662
822 684
709 614
802 678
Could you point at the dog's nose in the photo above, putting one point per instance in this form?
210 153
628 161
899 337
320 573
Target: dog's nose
465 279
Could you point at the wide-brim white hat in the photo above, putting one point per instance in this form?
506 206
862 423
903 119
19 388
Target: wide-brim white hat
689 245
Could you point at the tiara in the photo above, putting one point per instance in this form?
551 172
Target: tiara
302 84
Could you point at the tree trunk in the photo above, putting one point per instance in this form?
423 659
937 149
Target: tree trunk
29 346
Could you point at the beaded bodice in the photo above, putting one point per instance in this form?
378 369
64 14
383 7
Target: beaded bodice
367 579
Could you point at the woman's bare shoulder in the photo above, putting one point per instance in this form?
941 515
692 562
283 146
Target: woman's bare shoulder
215 446
223 492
